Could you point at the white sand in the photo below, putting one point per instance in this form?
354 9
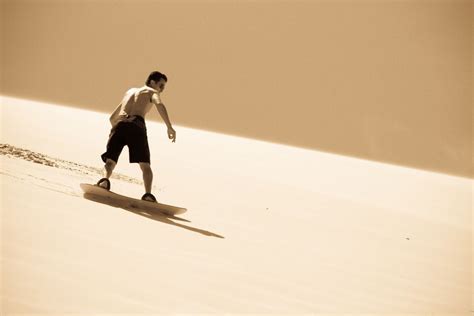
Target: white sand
270 229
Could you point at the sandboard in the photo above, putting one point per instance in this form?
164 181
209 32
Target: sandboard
131 202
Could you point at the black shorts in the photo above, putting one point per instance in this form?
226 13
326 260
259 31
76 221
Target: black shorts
131 131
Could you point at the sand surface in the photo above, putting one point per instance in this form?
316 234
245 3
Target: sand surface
270 229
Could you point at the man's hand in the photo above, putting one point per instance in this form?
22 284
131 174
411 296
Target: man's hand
172 134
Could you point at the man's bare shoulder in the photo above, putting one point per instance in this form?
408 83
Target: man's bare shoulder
155 98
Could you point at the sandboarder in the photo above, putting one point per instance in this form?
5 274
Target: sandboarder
128 128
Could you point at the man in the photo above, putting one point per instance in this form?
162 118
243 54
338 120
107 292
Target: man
128 128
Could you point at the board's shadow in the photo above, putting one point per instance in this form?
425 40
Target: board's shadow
153 215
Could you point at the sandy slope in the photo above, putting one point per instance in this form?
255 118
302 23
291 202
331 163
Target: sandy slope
269 229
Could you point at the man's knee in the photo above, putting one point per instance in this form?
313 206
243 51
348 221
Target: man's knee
145 166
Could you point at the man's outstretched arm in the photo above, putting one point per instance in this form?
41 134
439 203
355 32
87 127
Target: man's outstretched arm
164 114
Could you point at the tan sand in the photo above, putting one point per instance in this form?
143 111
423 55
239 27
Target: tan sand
270 229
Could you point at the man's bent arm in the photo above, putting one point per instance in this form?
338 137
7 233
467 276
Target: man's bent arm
113 118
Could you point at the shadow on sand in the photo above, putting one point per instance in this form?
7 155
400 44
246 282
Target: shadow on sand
157 216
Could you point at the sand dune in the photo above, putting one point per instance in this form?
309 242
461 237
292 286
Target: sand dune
270 229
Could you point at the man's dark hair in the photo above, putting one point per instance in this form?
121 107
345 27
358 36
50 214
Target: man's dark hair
156 76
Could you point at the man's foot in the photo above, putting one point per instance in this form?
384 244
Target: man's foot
104 183
149 197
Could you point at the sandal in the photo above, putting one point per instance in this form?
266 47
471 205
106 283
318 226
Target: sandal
101 182
149 197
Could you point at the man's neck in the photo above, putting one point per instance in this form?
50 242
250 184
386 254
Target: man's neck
151 88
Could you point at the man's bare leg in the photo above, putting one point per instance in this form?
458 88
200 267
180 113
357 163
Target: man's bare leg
109 168
147 176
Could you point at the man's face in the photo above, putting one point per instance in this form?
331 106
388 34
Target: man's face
160 85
